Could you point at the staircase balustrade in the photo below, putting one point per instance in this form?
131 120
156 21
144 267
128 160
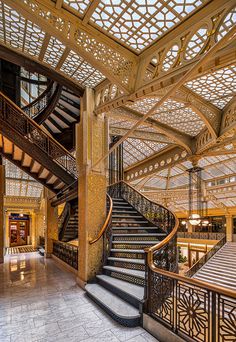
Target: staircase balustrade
36 108
205 258
63 220
27 128
66 252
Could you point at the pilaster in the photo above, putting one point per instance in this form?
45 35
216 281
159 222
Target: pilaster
229 227
2 191
91 143
51 216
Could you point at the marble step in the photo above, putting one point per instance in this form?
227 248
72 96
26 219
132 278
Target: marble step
136 228
215 281
217 275
127 291
132 276
137 237
135 223
123 312
127 216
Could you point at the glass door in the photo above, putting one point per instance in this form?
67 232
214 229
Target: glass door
18 233
13 233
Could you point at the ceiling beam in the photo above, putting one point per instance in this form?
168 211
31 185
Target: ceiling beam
93 5
142 135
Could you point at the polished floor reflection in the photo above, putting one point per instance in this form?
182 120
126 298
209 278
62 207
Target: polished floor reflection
40 302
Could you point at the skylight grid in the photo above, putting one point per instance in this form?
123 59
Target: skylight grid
138 23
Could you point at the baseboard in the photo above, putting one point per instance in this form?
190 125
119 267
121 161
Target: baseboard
64 265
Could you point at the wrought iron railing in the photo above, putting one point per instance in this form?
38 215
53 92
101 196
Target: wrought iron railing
192 309
201 235
41 103
66 252
205 258
106 231
26 127
41 241
63 220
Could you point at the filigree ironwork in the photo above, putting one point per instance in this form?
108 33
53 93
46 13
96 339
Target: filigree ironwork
66 252
27 128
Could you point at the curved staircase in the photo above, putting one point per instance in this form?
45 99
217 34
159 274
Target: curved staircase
119 289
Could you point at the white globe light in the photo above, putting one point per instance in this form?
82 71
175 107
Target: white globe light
194 219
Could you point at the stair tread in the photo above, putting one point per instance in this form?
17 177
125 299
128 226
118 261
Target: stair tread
130 228
135 273
137 242
141 234
132 289
118 250
114 303
134 261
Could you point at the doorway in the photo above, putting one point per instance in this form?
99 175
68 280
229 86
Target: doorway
19 231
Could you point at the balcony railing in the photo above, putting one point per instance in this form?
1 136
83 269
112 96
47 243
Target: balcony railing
201 235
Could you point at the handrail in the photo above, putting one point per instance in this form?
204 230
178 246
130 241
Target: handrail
34 133
42 95
205 258
43 106
105 225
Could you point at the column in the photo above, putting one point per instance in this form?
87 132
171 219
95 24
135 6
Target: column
51 216
91 141
2 191
229 227
33 229
7 233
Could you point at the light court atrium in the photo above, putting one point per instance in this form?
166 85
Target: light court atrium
117 170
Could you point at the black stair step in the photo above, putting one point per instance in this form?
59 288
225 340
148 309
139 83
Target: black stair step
128 253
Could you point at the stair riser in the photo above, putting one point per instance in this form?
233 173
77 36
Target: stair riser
125 296
136 238
130 224
127 255
134 231
126 277
128 265
126 246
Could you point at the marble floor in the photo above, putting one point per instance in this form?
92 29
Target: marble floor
40 302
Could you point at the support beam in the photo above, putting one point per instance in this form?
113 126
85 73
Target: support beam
167 158
142 135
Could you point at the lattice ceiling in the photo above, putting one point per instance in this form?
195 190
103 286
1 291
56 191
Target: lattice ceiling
27 37
173 113
18 183
136 150
138 23
218 88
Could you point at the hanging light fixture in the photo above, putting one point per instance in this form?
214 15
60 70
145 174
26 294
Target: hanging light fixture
196 195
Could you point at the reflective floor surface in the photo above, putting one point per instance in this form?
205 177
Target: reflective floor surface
41 302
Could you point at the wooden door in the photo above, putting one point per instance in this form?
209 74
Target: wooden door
18 232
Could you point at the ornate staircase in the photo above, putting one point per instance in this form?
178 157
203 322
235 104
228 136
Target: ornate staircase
119 289
26 145
57 109
68 222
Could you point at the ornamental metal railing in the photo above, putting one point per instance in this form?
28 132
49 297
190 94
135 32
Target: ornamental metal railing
66 252
31 131
201 235
41 103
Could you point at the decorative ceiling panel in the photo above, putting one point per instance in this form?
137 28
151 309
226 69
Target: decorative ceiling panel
173 113
218 87
138 23
78 5
136 150
75 67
